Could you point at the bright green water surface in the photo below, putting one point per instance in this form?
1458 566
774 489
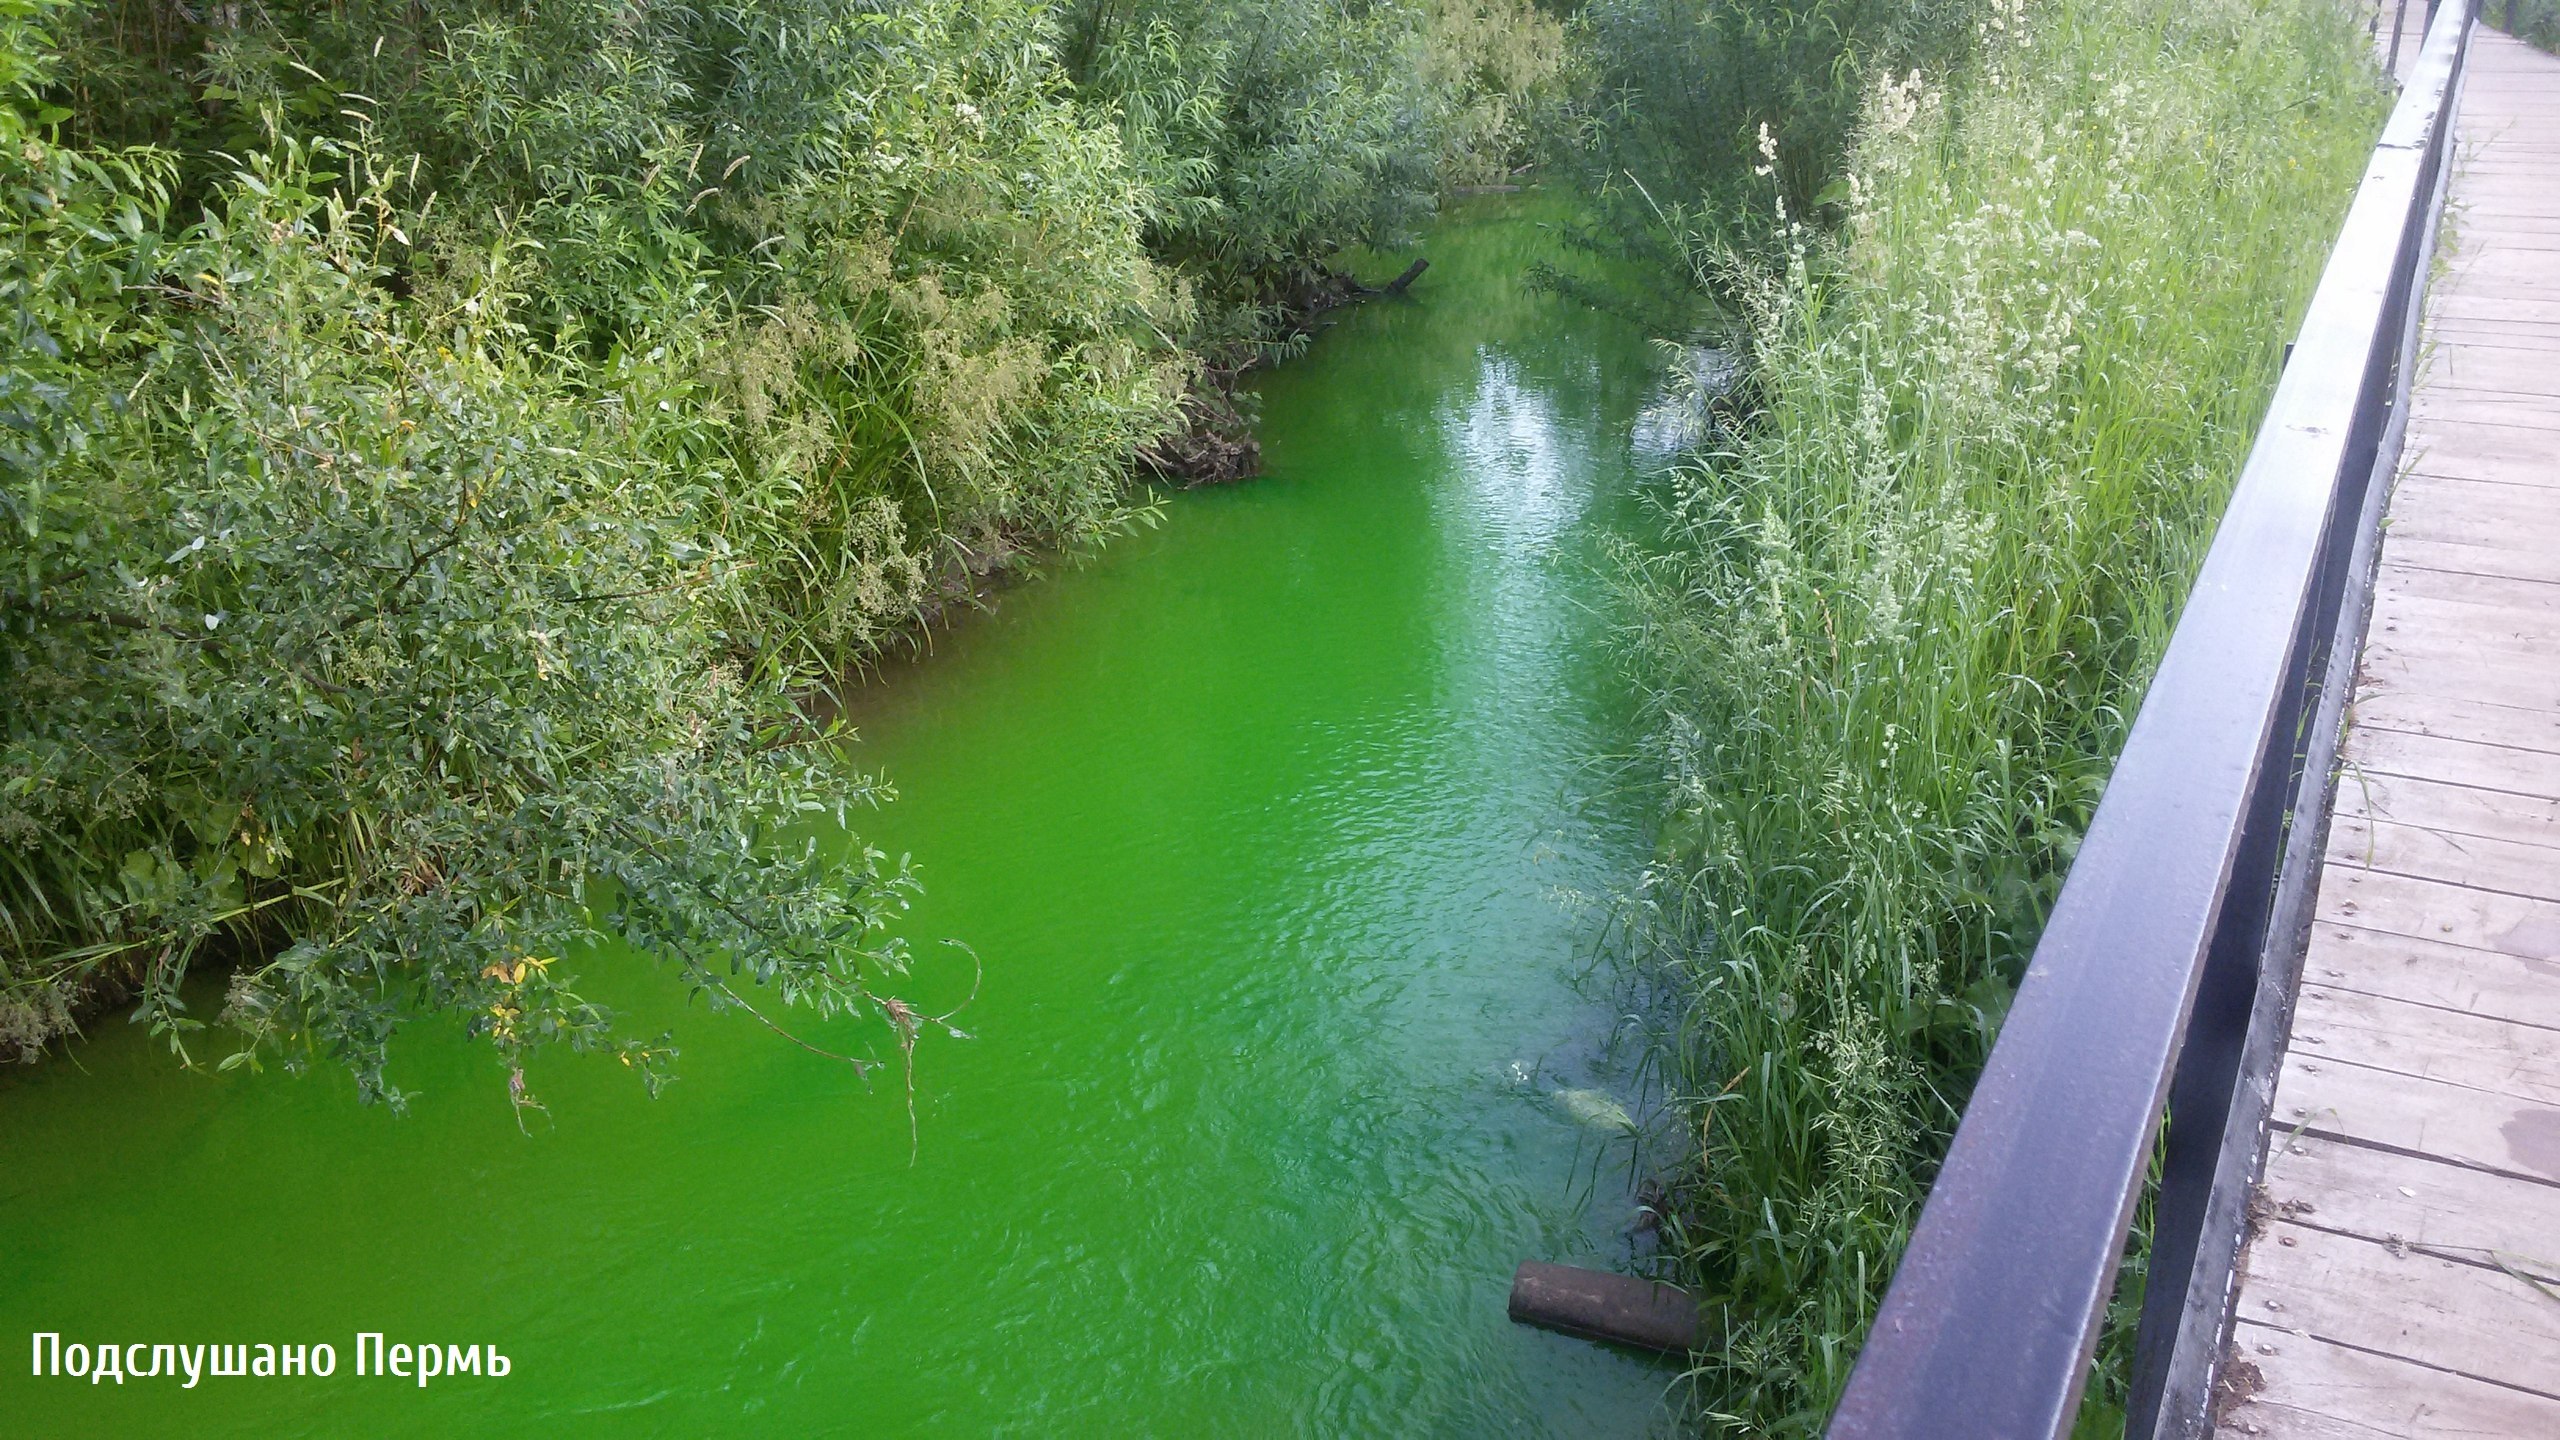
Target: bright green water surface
1268 824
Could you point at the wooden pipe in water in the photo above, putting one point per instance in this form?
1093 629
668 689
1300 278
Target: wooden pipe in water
1599 1305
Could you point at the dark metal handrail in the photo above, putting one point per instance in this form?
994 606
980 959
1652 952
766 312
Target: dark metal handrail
2165 973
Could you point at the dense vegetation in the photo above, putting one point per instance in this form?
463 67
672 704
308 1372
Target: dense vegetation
1677 95
451 449
2535 22
1917 587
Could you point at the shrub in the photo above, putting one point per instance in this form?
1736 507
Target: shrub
904 265
375 646
1276 133
1674 95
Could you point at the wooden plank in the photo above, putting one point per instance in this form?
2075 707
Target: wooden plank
2417 623
2516 771
2498 197
2467 1319
2489 257
2533 410
2446 307
2484 669
2496 270
2446 1210
2456 301
2484 456
2486 334
2473 860
2428 1042
2455 809
2476 189
2523 230
2464 582
2487 367
2391 580
2461 557
2424 972
2469 366
2445 629
2497 660
2492 193
2507 206
2484 613
2489 195
2440 372
2440 407
2460 668
2517 165
2481 722
2424 1117
2511 236
2446 320
2434 910
2473 224
2494 517
2483 302
2530 232
2419 619
2310 1389
2510 260
2484 326
2524 508
2522 237
2481 621
2512 271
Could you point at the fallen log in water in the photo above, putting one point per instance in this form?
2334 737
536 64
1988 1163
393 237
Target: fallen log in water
1598 1305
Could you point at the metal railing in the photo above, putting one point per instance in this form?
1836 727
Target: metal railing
2165 975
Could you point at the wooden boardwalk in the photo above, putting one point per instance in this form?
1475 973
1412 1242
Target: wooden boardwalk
2405 1275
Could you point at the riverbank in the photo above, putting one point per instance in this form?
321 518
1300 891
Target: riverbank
1274 829
1917 590
450 448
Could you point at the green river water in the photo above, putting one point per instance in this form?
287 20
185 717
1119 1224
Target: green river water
1273 826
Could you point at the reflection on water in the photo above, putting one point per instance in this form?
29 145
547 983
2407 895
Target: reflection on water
1676 422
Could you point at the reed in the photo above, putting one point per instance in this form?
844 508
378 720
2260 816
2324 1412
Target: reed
1915 588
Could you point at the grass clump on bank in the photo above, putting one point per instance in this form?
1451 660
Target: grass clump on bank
1912 599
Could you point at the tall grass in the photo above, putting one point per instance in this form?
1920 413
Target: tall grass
1914 593
2535 22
